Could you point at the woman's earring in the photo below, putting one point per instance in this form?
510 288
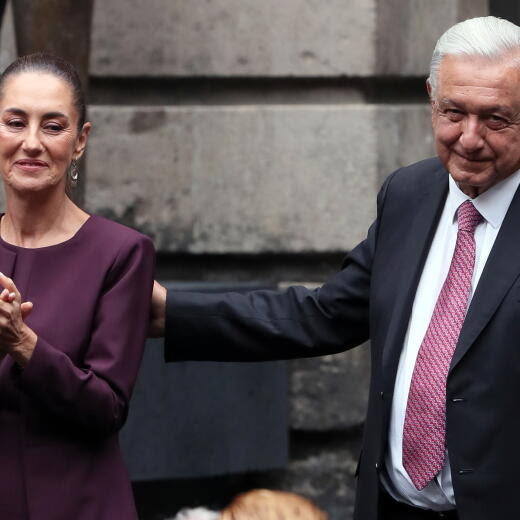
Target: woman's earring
73 172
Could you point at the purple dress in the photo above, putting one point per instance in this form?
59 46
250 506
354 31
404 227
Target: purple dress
59 416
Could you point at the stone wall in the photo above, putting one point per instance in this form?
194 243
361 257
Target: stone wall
249 139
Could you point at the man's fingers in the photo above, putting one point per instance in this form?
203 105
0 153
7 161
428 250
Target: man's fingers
157 311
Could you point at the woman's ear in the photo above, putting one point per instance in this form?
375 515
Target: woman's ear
81 141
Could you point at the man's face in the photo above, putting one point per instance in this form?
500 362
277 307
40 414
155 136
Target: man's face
476 120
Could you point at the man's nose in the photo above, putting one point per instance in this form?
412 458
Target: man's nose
472 135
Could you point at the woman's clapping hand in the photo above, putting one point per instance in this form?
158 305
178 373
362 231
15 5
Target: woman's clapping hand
16 338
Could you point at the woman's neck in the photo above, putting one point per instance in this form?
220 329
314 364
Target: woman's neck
40 220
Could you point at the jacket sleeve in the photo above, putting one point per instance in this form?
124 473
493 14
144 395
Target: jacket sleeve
94 396
268 325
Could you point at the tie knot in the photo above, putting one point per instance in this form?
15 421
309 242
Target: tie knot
468 217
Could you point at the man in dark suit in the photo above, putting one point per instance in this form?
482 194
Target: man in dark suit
435 286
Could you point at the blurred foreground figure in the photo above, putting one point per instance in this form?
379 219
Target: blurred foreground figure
263 504
198 513
260 504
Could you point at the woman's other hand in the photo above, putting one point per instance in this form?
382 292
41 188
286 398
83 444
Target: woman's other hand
16 338
158 311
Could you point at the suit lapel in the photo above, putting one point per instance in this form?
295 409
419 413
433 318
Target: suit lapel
429 202
501 270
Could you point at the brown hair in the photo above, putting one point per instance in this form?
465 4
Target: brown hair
264 504
49 63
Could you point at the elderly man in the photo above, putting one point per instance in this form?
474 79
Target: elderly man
435 287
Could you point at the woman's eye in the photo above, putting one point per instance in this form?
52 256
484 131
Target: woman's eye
53 127
15 123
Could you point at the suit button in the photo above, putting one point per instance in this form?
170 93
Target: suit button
377 465
382 395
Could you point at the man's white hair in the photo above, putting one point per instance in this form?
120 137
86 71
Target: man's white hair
487 36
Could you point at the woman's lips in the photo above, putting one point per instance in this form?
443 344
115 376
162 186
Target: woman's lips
30 165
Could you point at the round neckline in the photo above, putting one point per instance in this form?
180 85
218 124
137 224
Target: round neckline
73 238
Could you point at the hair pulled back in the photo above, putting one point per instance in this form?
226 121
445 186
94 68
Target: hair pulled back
50 64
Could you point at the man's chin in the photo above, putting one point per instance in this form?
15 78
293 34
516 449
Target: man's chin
472 172
472 182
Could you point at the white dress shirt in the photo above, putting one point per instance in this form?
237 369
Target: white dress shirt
492 205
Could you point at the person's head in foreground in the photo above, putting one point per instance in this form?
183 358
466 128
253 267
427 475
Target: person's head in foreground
264 504
260 504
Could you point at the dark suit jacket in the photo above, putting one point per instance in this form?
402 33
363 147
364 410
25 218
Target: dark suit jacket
59 416
371 297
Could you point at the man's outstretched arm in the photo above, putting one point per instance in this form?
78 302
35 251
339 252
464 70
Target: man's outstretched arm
268 325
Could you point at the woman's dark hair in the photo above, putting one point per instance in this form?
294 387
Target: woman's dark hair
48 63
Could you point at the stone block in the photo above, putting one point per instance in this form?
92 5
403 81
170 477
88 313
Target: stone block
405 136
7 38
407 31
326 476
271 39
330 392
236 179
233 38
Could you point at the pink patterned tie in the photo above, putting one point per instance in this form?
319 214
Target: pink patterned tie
424 425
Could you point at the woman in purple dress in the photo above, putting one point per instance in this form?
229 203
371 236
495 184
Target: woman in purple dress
70 352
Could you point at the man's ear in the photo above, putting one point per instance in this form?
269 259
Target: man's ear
81 141
429 90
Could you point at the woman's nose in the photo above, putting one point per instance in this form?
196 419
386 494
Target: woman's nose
32 143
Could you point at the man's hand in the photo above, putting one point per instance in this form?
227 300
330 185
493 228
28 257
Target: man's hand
158 311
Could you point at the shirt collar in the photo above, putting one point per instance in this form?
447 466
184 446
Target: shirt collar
492 204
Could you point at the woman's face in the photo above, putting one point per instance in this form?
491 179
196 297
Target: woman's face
38 132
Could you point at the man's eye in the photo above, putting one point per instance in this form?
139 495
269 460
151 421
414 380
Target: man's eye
453 114
497 121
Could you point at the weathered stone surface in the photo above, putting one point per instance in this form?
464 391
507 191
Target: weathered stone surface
7 55
7 38
233 38
249 179
326 476
407 31
270 38
405 136
236 179
330 392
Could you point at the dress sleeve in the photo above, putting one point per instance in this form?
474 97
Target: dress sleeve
95 396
